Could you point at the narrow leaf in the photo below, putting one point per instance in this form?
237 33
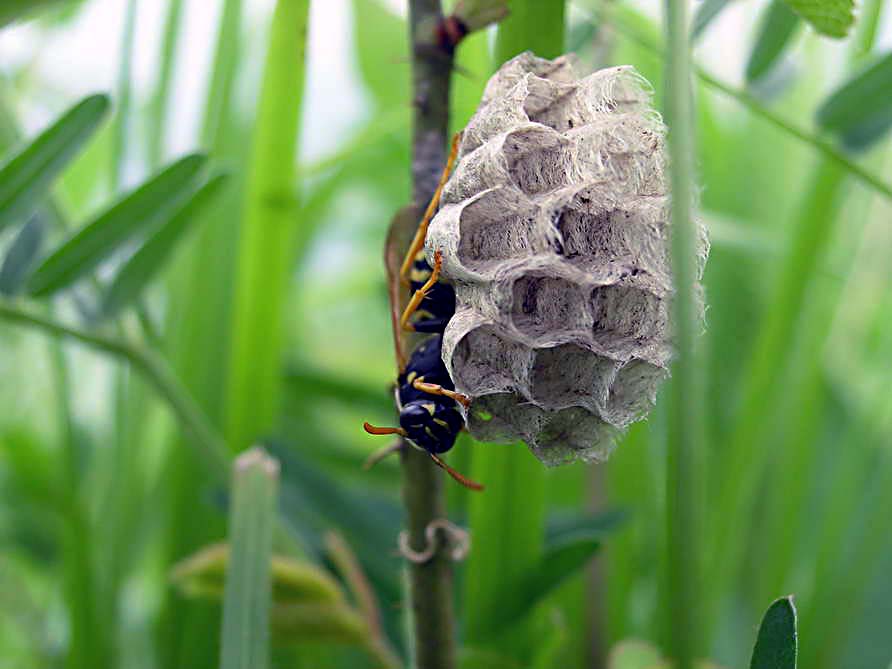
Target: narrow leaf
558 563
21 256
635 654
17 10
149 259
247 599
25 178
562 528
776 645
829 17
776 30
381 46
318 623
203 575
137 211
705 15
860 111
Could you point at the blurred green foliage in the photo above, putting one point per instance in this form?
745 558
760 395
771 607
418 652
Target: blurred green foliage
113 472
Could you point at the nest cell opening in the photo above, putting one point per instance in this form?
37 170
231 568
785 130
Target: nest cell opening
622 313
554 105
594 237
503 417
570 375
544 304
491 230
573 434
484 362
536 159
634 392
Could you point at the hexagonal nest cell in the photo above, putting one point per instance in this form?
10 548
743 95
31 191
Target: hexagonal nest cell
554 228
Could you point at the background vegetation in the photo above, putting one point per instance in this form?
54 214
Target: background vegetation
181 333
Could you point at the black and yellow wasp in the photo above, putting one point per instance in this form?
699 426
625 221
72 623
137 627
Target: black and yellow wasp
430 418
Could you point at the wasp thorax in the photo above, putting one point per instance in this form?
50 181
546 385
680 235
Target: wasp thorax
554 229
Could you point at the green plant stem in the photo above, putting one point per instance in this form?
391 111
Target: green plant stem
685 435
122 485
267 234
248 591
157 373
156 135
753 104
226 57
430 583
122 115
88 641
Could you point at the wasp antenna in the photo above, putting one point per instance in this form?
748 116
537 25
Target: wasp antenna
382 453
466 482
371 429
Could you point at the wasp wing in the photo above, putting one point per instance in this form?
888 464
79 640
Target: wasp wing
399 238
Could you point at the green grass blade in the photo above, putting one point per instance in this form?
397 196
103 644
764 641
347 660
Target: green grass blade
15 10
218 110
535 26
747 453
21 256
558 563
268 233
685 448
776 30
137 211
149 259
380 43
829 17
247 598
123 94
777 643
507 524
158 107
26 177
860 111
706 14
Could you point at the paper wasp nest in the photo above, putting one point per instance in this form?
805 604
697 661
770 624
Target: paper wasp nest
554 231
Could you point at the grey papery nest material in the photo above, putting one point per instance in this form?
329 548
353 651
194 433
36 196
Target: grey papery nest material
554 229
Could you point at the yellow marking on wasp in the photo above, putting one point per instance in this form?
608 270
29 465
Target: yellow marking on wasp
430 408
441 422
419 275
412 376
420 294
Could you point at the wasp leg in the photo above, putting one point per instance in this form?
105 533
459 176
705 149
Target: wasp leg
437 389
421 233
466 482
421 293
382 453
371 429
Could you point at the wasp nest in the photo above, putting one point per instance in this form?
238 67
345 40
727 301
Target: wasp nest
554 230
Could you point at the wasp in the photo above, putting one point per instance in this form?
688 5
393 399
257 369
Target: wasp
430 418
